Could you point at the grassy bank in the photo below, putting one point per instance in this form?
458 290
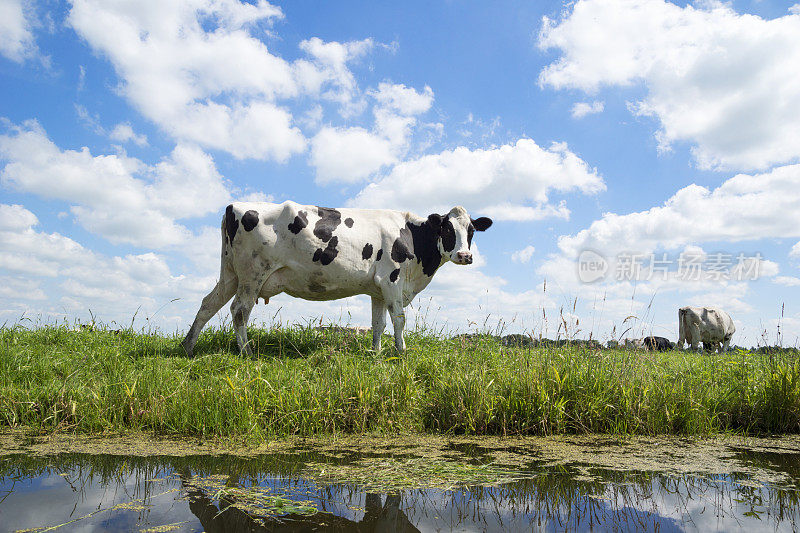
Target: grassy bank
302 381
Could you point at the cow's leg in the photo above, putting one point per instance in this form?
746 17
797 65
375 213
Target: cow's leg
694 333
246 294
399 322
378 322
213 302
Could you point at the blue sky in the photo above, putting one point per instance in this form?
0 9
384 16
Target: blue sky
628 128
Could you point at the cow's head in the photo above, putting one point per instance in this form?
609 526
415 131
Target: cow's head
455 231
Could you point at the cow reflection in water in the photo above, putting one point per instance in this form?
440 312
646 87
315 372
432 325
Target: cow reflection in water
378 517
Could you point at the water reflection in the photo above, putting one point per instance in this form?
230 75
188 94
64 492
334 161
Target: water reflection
269 493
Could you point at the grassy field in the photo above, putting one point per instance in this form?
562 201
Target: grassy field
302 381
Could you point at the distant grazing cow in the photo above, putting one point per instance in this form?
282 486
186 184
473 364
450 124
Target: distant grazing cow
319 253
657 344
633 344
708 325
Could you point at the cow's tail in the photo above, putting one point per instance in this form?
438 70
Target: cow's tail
681 327
226 252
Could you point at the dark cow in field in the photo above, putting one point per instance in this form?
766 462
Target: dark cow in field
649 343
708 325
319 253
657 344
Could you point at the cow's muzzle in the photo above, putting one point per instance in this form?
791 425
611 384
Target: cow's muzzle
463 258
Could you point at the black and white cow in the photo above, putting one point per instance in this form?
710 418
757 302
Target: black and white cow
319 253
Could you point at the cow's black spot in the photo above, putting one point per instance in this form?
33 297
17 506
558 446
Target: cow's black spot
380 254
366 253
470 233
402 246
250 220
394 274
300 222
348 222
425 237
231 224
329 220
330 252
448 235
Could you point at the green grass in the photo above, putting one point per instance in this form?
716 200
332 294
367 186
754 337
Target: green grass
305 382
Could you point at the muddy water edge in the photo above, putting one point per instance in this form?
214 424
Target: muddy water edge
413 483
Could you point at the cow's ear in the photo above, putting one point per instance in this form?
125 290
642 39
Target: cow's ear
481 224
435 221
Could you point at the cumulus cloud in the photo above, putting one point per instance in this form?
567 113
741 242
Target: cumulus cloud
327 73
79 278
349 155
512 181
404 100
115 196
123 132
201 73
789 281
523 256
743 208
16 35
13 288
581 109
352 154
467 298
722 81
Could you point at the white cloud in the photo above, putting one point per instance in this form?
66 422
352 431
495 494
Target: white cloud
328 74
581 109
745 207
16 38
115 196
349 155
789 281
15 288
795 251
722 81
465 298
523 256
502 182
404 100
14 217
123 132
353 154
200 72
80 278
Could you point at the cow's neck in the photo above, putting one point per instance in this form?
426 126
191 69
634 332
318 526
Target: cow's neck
426 247
416 280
